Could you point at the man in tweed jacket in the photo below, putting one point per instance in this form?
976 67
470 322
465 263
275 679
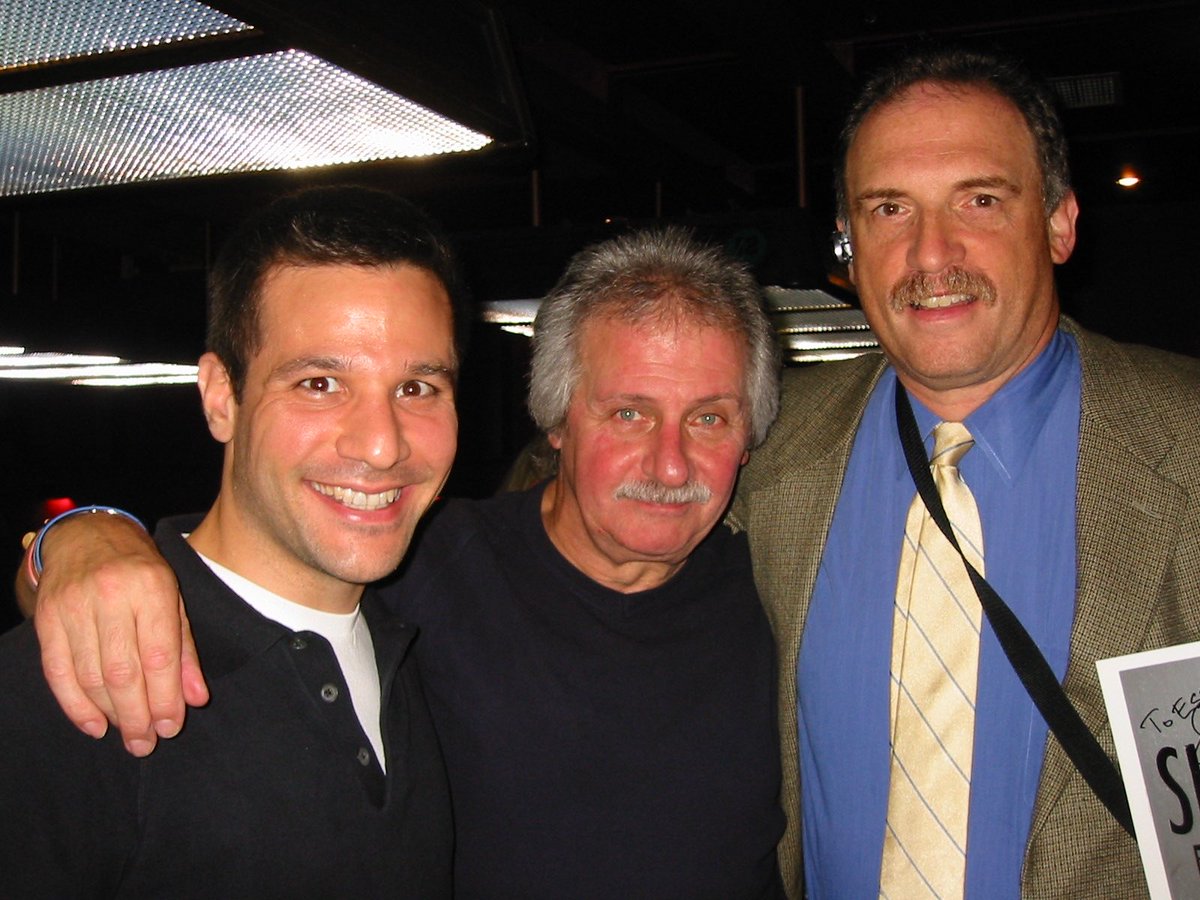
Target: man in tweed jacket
954 194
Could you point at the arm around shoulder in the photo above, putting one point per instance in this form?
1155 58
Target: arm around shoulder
114 636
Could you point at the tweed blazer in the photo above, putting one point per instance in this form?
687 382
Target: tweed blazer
1138 569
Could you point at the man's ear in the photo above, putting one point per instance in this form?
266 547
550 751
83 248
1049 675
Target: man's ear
216 397
554 438
1061 228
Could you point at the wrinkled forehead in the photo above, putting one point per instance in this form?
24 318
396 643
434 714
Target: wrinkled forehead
676 361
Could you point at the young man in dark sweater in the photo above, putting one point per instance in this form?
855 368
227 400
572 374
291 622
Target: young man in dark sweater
314 771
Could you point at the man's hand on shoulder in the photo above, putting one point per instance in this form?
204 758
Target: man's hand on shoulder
116 644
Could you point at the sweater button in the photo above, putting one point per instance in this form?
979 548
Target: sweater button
329 692
364 756
298 643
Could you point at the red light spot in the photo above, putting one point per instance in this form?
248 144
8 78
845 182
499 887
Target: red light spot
56 506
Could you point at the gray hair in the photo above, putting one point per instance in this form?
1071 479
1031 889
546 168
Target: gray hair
960 67
663 275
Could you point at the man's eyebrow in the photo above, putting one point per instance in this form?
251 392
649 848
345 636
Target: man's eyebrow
989 181
878 194
698 401
717 398
307 364
434 370
966 184
293 367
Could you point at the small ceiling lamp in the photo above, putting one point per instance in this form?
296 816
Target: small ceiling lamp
1129 178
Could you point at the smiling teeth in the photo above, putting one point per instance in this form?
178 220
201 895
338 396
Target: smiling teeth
942 301
357 499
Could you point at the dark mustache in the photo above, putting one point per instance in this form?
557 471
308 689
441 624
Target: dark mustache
920 285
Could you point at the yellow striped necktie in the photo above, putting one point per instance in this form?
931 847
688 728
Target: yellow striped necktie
935 664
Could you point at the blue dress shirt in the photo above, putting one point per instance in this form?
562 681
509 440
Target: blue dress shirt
1022 474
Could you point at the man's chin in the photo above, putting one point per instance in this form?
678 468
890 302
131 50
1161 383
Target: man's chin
363 575
656 549
355 566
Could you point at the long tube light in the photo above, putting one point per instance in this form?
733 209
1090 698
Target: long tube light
92 370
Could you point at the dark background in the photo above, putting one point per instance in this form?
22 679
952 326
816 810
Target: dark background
608 115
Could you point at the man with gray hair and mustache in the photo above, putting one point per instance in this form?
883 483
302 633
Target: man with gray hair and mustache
598 666
595 656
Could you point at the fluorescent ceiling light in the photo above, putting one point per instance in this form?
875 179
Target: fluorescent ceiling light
509 312
816 356
136 379
44 31
811 325
23 360
98 94
522 330
79 368
117 370
283 110
273 111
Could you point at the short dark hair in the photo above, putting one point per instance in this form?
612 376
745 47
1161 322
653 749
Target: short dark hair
320 226
661 275
957 66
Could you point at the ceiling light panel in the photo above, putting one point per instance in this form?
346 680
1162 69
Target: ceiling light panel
35 32
285 110
1088 91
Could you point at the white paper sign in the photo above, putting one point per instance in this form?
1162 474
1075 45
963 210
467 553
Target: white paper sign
1153 701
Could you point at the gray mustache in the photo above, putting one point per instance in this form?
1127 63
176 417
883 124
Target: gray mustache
653 492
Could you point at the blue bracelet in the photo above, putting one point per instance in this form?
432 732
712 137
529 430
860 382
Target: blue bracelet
36 555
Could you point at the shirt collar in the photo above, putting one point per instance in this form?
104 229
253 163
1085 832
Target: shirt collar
1006 428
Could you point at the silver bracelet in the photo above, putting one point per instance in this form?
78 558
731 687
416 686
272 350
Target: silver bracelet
35 570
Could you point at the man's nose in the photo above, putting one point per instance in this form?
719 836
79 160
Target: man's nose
936 243
667 460
372 432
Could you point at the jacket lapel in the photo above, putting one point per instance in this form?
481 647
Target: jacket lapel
1126 520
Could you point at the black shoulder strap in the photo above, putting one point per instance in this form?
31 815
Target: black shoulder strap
1023 654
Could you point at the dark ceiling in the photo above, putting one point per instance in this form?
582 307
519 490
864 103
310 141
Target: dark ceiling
625 111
